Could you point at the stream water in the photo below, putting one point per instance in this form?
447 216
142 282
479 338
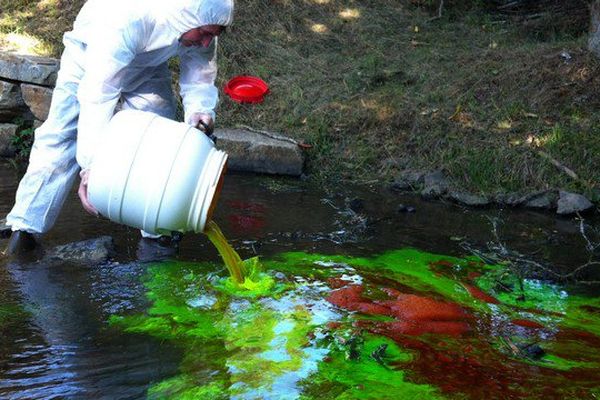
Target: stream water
364 301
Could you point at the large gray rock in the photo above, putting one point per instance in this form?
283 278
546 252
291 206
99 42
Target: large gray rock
30 69
260 152
544 200
469 199
38 99
594 38
571 203
435 185
11 101
7 134
408 180
509 199
92 251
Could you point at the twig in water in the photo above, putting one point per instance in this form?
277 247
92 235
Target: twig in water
499 254
591 247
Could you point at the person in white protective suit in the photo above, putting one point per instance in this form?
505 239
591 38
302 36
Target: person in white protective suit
117 53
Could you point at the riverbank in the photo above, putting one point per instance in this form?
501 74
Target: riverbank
380 88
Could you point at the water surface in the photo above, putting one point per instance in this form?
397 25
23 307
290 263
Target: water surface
373 302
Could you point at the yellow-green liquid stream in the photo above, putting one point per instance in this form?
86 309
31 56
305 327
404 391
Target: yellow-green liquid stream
231 258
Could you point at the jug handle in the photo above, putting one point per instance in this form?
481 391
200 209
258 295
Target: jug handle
208 130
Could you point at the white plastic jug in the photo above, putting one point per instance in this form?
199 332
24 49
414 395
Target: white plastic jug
155 174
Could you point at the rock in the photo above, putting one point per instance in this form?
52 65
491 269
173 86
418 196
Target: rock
408 180
545 200
7 133
38 99
11 101
433 192
406 209
258 152
436 178
571 203
5 230
30 69
531 351
436 185
508 199
468 199
37 123
92 251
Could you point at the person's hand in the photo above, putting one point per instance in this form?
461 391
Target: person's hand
83 193
203 121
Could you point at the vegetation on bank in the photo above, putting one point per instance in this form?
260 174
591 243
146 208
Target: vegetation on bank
379 87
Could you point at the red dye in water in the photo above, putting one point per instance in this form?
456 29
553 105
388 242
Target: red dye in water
247 206
336 283
414 315
248 219
526 323
246 223
468 364
442 263
480 294
473 275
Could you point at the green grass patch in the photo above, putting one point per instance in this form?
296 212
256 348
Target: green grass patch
378 87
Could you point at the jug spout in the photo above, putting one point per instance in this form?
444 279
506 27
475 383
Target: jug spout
207 192
215 199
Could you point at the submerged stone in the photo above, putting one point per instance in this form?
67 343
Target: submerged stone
92 251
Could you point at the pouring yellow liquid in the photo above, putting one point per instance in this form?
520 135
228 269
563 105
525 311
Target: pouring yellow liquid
230 257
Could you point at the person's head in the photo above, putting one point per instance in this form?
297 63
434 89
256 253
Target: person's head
196 22
201 36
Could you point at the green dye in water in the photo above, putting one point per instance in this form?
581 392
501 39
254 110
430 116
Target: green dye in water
247 278
258 345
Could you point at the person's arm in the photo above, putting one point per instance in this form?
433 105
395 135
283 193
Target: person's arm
197 74
99 91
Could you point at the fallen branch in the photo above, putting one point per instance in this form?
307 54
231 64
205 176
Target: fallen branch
530 144
559 165
591 247
439 14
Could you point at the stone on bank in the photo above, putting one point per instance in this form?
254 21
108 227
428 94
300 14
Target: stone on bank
251 151
571 203
7 134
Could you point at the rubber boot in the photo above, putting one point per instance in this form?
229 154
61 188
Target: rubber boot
21 243
158 249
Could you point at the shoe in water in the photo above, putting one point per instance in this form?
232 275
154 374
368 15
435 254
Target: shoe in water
21 243
158 249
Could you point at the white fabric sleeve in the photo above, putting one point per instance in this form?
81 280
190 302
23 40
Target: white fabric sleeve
100 87
197 73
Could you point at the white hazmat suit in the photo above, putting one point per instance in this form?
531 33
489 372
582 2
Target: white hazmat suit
117 51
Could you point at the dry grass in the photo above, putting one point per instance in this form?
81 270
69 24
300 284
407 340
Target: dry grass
378 87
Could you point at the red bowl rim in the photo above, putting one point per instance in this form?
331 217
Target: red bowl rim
248 79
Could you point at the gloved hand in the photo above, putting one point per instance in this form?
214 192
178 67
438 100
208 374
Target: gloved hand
203 121
83 193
